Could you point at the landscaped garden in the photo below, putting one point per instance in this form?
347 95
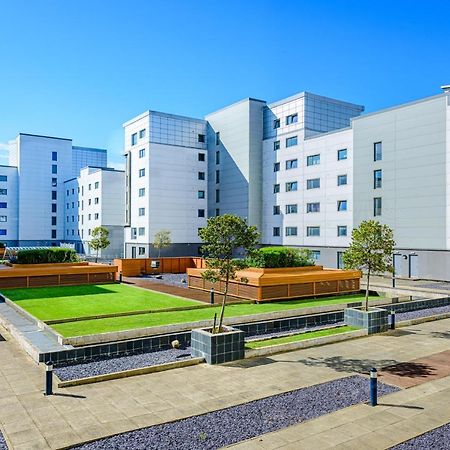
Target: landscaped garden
75 302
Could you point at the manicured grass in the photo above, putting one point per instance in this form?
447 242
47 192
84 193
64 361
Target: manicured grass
61 302
298 337
84 327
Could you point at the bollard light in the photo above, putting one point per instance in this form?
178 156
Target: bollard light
211 297
373 387
392 320
120 277
48 378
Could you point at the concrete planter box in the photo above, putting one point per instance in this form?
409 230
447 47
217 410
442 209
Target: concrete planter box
374 321
217 348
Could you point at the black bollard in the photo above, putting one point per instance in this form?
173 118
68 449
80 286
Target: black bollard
120 277
373 387
48 378
211 297
392 320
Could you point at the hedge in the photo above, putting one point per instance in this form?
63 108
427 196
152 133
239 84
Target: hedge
47 255
278 257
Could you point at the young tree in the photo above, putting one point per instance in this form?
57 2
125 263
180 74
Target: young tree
222 236
162 240
99 240
371 250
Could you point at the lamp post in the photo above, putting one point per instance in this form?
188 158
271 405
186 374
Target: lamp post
393 265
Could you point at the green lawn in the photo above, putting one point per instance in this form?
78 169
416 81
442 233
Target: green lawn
84 327
63 302
298 337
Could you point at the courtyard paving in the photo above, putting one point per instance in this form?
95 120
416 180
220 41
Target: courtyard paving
30 420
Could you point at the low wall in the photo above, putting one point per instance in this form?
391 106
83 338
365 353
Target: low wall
40 275
134 267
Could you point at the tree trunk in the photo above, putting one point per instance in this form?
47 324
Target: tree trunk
224 300
96 256
367 290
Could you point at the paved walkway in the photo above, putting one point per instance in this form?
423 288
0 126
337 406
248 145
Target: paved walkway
30 420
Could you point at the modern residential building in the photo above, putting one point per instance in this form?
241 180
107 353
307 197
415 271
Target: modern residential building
306 170
166 182
95 198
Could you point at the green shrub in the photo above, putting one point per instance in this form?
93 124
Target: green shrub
47 255
278 257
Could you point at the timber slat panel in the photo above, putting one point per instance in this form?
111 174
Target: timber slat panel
81 278
274 292
325 287
46 280
298 290
16 282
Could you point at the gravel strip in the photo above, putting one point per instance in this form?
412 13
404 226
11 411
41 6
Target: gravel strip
3 445
228 426
171 279
409 315
437 439
273 334
104 365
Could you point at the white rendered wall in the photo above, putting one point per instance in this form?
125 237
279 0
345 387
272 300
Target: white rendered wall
11 200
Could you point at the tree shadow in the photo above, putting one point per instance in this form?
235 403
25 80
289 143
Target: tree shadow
441 334
410 370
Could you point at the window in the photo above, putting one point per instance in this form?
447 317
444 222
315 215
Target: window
89 202
201 213
96 200
291 186
82 190
53 207
276 231
67 205
54 193
313 183
134 139
96 216
293 118
142 211
3 191
377 151
276 210
3 218
276 167
73 191
276 188
217 157
142 192
217 195
141 231
341 230
313 160
342 205
291 141
3 177
290 231
54 156
201 157
142 133
341 180
312 231
291 209
276 145
3 205
141 173
73 203
53 220
201 138
377 206
340 260
133 233
55 183
53 234
73 218
201 175
2 232
217 212
54 168
217 176
315 255
291 164
96 185
218 138
342 154
141 250
276 123
313 207
377 179
141 152
90 187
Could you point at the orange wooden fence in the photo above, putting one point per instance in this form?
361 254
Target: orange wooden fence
134 267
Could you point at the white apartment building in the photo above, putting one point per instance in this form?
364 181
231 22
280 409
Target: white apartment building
166 182
306 170
95 198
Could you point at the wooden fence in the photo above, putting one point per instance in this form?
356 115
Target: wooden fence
134 267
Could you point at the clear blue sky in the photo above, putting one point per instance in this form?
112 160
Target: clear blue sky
81 68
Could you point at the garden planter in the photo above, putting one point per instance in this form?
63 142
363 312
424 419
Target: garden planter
218 348
375 320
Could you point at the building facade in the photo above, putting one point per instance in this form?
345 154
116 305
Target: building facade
306 170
